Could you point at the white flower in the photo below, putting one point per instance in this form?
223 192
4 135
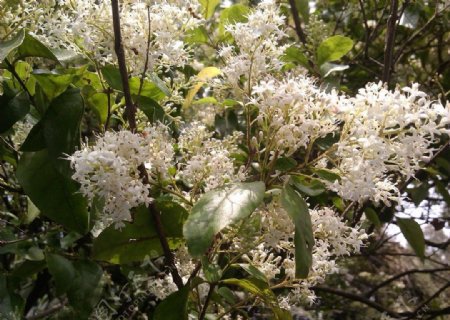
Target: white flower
108 171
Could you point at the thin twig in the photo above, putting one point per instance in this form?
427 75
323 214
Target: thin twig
212 286
390 42
417 33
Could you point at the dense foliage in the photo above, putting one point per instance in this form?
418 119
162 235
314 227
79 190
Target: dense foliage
207 160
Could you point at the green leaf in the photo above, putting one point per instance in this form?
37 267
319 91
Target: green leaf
327 175
80 280
217 209
174 307
197 35
85 290
35 141
13 110
413 234
254 272
6 47
54 84
61 126
311 187
296 56
56 195
227 294
211 270
285 164
154 112
149 89
209 6
112 76
372 216
62 271
32 47
333 48
10 302
139 239
298 210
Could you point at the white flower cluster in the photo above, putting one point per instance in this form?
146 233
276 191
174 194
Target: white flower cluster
381 132
86 27
108 170
208 161
292 113
257 49
333 238
385 132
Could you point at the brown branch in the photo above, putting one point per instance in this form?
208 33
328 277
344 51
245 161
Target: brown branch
298 25
390 42
130 112
402 274
130 108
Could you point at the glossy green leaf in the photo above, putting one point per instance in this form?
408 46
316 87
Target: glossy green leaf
149 89
61 126
6 47
54 84
218 209
333 48
56 195
298 210
139 239
413 234
32 47
13 110
174 307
